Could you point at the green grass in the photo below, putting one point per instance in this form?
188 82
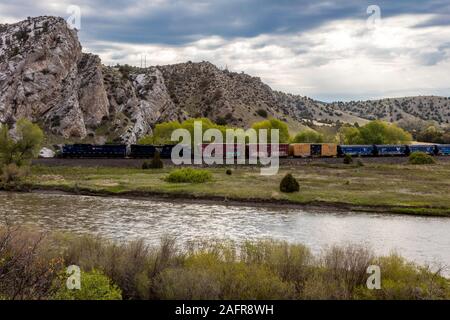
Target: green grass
402 188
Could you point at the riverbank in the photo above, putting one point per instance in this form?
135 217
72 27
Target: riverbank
392 188
213 270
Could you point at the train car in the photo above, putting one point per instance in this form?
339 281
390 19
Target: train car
426 148
142 151
268 150
323 150
165 151
226 150
329 150
94 151
300 150
316 150
356 150
442 149
391 150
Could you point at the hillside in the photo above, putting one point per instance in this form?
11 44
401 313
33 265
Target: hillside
45 76
395 109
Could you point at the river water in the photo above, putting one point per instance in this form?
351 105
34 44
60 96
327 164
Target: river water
420 239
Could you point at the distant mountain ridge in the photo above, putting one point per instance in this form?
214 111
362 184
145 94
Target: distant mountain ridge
45 76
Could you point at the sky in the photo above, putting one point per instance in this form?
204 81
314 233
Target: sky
327 50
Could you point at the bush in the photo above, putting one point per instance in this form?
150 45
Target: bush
374 132
26 272
289 184
348 159
262 113
32 266
189 175
421 158
12 173
94 286
308 136
145 165
229 172
24 147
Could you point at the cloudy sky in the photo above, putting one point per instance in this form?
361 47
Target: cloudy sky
328 50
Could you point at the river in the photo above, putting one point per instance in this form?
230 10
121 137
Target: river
420 239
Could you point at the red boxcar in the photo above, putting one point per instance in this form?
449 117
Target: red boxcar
234 152
266 150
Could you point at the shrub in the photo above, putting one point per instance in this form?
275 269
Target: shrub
270 124
189 175
94 286
229 172
24 147
262 113
289 184
308 136
12 173
348 159
145 165
25 271
420 158
374 132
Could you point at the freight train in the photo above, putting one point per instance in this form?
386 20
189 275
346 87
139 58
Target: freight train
295 150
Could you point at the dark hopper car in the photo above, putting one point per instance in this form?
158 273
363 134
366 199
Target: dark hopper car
391 150
443 149
142 151
148 151
426 148
268 150
225 150
94 151
356 150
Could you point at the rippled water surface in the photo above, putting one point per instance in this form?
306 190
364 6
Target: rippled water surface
422 239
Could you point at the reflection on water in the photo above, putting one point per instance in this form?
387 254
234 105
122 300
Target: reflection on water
421 239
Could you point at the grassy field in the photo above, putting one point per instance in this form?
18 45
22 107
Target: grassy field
397 188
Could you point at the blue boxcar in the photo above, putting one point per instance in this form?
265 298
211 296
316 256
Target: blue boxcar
391 150
142 151
94 151
356 150
443 149
426 148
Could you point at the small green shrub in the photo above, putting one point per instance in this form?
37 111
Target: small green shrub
94 286
229 172
289 184
420 158
189 175
359 163
348 159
